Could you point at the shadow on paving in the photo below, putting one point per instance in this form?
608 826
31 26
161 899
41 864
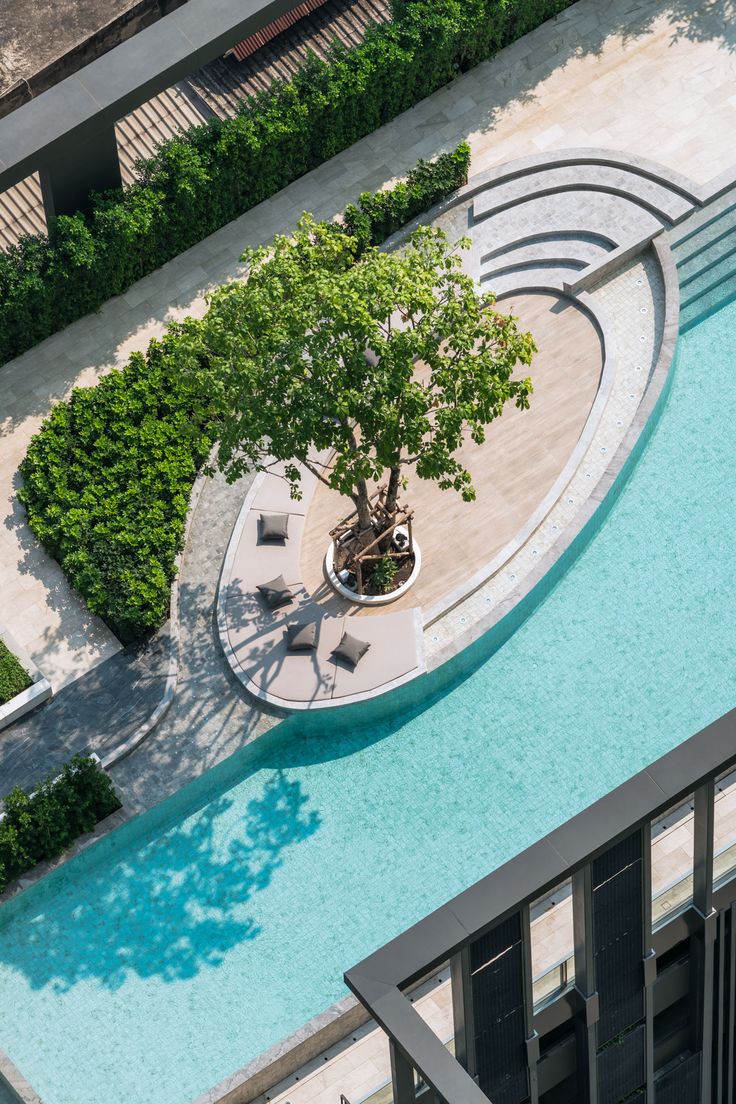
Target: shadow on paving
96 713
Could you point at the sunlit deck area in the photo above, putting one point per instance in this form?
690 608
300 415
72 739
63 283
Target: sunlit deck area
513 471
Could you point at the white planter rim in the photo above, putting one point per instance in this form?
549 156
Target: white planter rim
369 599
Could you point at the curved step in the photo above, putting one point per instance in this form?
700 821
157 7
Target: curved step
654 197
603 244
611 219
553 251
553 275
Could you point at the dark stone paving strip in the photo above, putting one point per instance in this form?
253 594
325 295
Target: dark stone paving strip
209 718
94 713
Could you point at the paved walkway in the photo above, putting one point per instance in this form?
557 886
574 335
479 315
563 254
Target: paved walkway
595 76
211 716
96 712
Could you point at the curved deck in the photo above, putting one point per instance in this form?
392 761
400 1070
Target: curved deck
560 239
254 638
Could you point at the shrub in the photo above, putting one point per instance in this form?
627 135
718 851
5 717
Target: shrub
379 214
42 825
13 678
108 477
383 574
203 179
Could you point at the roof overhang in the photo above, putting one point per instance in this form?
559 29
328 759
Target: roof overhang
75 111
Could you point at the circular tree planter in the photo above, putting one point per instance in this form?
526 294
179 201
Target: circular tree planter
369 599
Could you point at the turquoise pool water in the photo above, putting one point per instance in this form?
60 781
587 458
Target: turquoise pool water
182 946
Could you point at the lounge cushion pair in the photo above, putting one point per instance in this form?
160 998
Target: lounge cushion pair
303 638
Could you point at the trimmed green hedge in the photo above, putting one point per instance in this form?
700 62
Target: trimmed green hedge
40 827
380 214
14 679
207 177
108 477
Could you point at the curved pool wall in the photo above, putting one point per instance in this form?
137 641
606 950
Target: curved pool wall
190 940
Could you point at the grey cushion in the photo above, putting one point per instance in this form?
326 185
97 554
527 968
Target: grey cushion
276 593
274 527
351 649
302 637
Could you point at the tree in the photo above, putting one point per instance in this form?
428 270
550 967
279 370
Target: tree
389 361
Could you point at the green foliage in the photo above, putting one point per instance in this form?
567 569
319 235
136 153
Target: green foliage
107 481
108 477
13 678
383 574
201 180
380 214
306 356
41 826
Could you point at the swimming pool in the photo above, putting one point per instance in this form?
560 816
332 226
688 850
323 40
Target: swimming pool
188 942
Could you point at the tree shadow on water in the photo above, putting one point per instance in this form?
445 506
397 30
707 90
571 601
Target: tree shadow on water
168 908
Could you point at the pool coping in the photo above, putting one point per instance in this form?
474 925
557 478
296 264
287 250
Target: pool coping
597 506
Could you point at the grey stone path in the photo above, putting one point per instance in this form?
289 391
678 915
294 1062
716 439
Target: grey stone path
210 717
95 713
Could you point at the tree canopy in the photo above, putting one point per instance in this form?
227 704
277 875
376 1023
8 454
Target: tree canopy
387 361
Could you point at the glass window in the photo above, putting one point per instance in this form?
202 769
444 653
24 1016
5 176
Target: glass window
724 829
672 862
553 963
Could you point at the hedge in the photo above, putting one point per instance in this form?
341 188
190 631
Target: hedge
108 477
41 826
202 180
14 679
379 214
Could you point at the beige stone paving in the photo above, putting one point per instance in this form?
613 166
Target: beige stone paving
598 75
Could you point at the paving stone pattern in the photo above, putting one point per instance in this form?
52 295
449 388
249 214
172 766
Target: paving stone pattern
97 712
211 715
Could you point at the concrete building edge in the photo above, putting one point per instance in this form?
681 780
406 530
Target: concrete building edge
15 1083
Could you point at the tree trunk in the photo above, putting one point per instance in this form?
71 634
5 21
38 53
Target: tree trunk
392 494
362 505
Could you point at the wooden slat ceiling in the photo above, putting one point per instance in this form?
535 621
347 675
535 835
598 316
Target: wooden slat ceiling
218 89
